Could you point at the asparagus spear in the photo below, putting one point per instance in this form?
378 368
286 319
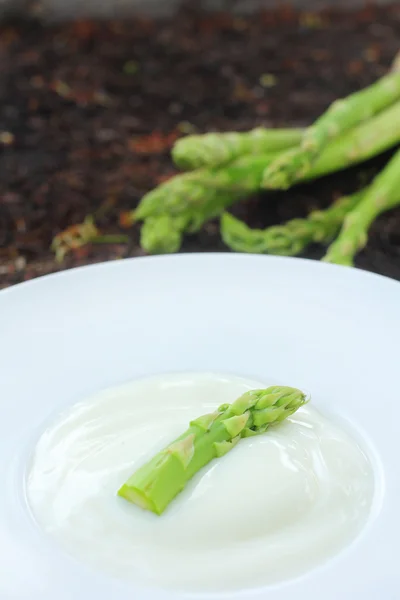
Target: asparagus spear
357 145
201 195
163 234
215 149
190 191
382 195
184 204
154 485
187 197
341 116
291 238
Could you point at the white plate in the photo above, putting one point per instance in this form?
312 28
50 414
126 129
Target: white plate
331 330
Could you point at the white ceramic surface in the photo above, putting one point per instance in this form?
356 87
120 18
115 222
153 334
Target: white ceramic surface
330 330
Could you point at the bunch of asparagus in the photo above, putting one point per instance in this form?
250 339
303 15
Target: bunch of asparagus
222 169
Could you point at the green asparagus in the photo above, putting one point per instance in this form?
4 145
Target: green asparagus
291 238
162 234
183 204
190 191
202 195
382 195
154 485
187 192
342 116
215 149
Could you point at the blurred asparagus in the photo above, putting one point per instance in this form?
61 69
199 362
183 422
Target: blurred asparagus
342 116
183 204
163 233
369 139
190 190
382 195
235 165
291 238
187 201
215 149
203 195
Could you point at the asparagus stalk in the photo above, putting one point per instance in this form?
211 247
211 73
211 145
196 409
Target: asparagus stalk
215 149
154 485
382 195
190 191
163 234
341 116
291 238
357 145
183 204
191 199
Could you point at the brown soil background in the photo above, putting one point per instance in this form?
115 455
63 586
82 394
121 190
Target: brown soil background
88 113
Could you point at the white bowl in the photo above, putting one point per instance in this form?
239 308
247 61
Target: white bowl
331 330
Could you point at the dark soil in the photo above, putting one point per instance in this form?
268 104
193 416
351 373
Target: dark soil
88 112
